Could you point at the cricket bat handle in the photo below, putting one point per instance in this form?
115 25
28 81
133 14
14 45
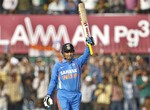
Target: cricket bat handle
90 48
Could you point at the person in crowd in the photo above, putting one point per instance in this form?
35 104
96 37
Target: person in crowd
40 85
95 70
90 6
39 65
136 74
3 97
107 66
29 94
56 7
101 7
3 74
70 7
12 63
129 89
66 75
38 6
14 91
87 90
103 94
131 6
139 63
116 6
143 84
115 69
1 7
117 95
9 6
26 68
144 6
146 105
24 7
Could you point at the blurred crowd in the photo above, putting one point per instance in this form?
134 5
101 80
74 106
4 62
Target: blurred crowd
116 82
113 82
70 6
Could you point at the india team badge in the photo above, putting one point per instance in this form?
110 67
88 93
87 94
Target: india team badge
73 64
68 47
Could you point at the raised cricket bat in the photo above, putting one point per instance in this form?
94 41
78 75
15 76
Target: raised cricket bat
84 23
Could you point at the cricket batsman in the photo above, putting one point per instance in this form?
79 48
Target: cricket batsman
66 76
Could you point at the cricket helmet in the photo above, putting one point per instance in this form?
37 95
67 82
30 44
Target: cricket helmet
68 47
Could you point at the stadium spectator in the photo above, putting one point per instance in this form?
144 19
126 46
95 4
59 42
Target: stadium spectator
117 95
3 97
46 5
101 7
144 6
107 66
116 6
24 7
87 90
115 72
76 1
143 84
3 74
95 70
139 63
70 7
56 7
9 6
26 68
29 94
103 94
38 6
129 92
90 6
146 105
40 85
131 6
1 7
14 90
39 65
125 65
12 63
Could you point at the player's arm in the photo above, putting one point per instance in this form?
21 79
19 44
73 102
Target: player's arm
54 79
53 82
84 57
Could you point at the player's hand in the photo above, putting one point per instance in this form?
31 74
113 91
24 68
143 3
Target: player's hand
48 101
90 41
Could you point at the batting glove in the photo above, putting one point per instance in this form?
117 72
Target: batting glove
90 41
48 101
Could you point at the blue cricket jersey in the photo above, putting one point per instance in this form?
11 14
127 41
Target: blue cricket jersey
66 75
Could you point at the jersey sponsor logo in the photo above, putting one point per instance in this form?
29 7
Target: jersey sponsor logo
62 67
73 64
70 71
69 76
